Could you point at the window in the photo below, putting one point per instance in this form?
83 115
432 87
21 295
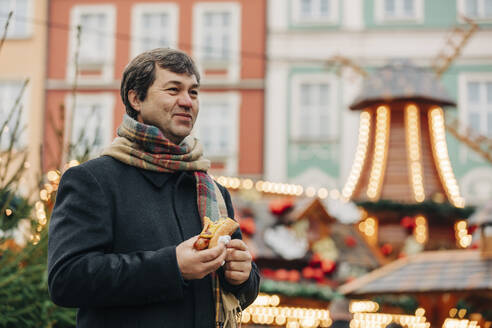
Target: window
475 109
314 114
154 26
479 105
19 26
96 51
217 39
9 92
476 9
399 10
315 11
217 128
91 122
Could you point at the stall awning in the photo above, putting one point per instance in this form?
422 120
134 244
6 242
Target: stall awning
437 271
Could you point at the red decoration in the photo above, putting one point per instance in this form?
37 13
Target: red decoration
281 206
281 274
308 272
247 225
350 241
294 276
386 249
318 275
328 266
408 223
315 261
474 246
267 273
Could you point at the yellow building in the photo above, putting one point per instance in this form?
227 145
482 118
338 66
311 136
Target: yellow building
23 57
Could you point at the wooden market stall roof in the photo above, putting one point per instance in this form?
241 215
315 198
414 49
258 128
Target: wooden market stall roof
437 271
400 80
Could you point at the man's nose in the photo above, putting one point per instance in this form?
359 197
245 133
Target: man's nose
185 100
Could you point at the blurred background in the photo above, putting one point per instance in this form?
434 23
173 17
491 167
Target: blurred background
354 136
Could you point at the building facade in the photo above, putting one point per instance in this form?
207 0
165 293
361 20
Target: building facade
22 62
318 52
229 50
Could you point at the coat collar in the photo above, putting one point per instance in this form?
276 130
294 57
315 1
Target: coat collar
158 179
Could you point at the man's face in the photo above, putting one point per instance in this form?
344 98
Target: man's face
171 104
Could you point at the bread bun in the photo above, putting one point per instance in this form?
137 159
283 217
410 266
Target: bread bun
226 227
212 231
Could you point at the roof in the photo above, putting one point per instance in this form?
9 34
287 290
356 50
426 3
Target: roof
482 216
437 271
362 254
400 80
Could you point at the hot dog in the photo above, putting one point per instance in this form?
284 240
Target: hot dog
212 231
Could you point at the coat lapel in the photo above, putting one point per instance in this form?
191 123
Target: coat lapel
158 179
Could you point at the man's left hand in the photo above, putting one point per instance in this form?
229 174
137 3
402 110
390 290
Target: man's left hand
238 262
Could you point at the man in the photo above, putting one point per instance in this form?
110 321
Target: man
122 231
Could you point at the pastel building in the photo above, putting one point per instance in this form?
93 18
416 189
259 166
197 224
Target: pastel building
320 51
23 58
227 39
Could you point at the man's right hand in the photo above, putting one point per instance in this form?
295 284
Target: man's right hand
195 264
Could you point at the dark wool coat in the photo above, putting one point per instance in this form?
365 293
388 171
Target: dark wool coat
112 248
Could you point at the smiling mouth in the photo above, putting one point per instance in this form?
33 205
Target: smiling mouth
184 118
187 116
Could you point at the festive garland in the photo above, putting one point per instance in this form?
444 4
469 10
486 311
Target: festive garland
306 290
429 208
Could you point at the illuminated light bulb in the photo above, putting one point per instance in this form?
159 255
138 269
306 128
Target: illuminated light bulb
371 221
370 230
461 225
247 184
259 185
245 317
39 205
420 312
362 226
43 194
462 233
274 300
310 191
8 212
299 191
323 193
52 176
461 313
280 320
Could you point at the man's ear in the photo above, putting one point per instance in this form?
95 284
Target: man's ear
134 101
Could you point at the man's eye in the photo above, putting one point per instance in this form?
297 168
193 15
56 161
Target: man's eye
194 92
173 89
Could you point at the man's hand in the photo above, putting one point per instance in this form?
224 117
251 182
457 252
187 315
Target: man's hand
238 262
195 264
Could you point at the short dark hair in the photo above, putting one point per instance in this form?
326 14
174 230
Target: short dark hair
139 74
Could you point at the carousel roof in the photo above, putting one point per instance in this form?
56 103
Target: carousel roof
400 80
437 271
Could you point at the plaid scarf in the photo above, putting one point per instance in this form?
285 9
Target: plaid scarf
145 146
